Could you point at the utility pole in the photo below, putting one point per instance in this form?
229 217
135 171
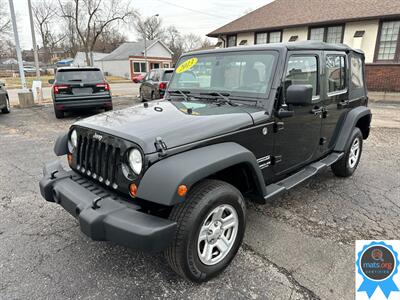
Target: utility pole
35 50
17 46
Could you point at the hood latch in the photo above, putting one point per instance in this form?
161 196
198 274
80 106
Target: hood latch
161 147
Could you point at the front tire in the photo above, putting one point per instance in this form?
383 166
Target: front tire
7 109
346 166
59 114
211 225
141 97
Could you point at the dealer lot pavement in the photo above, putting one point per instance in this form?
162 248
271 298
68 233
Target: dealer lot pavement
300 246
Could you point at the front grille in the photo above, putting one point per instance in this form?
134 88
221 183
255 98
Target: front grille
98 159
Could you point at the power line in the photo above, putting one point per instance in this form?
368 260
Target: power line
194 10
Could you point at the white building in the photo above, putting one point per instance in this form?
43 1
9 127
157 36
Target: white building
80 58
129 60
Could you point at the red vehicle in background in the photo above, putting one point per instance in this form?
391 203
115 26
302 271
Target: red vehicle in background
138 78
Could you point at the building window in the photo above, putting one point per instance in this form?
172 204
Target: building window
268 37
139 67
389 40
336 73
331 34
303 70
231 40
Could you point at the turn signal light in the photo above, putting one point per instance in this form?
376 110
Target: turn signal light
182 190
133 190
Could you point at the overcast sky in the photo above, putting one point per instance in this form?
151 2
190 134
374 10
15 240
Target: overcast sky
197 16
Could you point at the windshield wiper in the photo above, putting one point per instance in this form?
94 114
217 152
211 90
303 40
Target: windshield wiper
183 93
224 97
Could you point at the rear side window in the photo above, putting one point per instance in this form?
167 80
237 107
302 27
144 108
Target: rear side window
303 70
83 75
357 78
167 75
336 73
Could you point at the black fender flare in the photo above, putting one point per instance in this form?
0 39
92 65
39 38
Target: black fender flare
349 123
61 145
161 181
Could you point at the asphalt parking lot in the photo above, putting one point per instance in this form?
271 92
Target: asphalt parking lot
300 246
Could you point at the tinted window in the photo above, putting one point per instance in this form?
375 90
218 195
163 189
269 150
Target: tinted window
303 70
335 73
136 67
167 75
83 75
357 78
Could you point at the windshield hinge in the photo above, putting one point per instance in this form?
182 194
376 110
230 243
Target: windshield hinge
161 147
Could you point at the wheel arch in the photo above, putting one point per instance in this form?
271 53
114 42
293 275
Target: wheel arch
161 181
358 117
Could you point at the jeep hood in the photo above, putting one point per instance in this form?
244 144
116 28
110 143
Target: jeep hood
170 121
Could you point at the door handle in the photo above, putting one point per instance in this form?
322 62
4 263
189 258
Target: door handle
316 111
343 104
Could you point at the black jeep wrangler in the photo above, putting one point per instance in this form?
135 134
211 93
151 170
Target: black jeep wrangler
238 123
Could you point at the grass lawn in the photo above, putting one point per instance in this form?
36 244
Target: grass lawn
15 82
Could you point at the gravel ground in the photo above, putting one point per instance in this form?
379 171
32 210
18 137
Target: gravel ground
300 246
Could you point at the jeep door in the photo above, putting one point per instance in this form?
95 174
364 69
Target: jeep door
335 96
297 137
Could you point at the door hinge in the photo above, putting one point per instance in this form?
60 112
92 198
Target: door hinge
278 126
161 147
276 159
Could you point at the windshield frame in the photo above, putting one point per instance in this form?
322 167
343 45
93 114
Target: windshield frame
232 93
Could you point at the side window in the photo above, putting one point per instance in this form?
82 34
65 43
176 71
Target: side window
357 79
303 70
336 73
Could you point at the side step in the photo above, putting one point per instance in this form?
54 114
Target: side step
301 176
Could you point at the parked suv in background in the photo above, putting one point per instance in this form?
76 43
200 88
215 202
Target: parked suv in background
154 84
80 88
236 123
4 100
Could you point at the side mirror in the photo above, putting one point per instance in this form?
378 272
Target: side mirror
2 83
299 95
51 81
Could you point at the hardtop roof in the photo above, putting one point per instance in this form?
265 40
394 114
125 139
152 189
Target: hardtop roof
302 45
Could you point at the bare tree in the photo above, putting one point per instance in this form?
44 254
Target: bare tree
149 28
93 17
191 41
5 22
109 40
45 12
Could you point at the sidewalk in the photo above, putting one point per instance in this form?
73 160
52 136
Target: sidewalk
117 89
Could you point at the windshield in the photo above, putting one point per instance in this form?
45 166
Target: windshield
244 73
83 75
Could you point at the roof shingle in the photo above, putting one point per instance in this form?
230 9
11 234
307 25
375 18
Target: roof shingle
289 13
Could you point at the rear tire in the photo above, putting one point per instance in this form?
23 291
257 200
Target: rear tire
211 225
141 97
7 109
59 114
346 166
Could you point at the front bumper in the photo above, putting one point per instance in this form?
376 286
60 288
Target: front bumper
103 215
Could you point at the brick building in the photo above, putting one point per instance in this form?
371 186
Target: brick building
370 25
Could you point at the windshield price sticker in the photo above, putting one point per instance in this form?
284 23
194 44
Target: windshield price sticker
187 65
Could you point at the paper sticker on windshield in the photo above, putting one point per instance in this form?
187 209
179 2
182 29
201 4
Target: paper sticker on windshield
187 65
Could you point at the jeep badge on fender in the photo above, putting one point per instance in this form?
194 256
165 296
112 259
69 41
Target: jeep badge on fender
236 123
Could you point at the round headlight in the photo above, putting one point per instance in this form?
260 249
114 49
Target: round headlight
135 161
73 141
